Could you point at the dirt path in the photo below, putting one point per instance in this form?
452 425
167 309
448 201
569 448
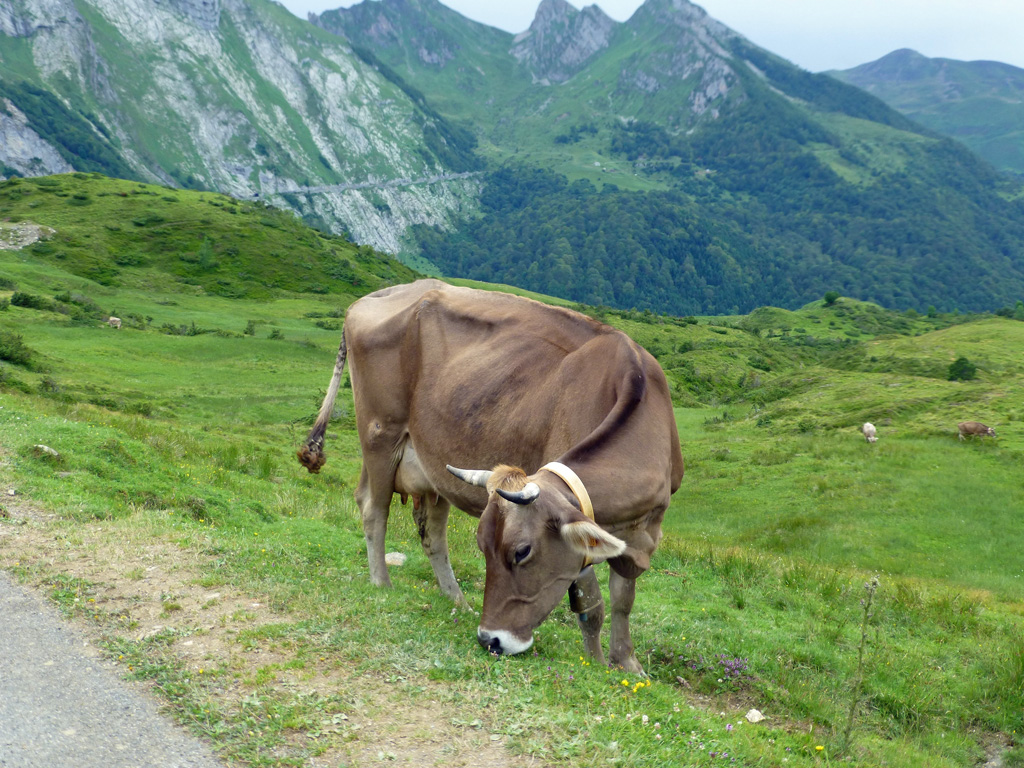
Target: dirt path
130 584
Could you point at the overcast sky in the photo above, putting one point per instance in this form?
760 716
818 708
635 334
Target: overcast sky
815 34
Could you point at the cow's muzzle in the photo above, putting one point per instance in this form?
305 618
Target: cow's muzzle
501 642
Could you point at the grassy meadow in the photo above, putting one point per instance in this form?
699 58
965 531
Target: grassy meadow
868 599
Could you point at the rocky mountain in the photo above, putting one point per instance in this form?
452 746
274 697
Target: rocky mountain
670 63
664 163
667 163
237 96
561 40
461 64
980 103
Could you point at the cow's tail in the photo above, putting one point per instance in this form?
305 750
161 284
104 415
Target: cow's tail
311 454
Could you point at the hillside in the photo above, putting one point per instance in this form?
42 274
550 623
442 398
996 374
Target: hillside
236 96
123 234
980 103
667 163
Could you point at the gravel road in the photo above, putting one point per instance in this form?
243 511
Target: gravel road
63 706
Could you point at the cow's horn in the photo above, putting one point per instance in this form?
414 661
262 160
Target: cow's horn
526 495
471 476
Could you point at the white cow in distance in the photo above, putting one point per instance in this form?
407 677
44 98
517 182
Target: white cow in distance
869 432
114 322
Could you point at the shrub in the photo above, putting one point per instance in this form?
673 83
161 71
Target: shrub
831 297
806 426
13 349
31 301
148 218
962 369
184 330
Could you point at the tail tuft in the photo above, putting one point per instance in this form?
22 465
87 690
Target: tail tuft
311 457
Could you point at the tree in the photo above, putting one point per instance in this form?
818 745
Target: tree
831 297
962 369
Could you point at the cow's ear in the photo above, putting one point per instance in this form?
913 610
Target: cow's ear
591 540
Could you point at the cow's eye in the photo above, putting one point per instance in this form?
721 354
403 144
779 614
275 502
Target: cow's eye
522 553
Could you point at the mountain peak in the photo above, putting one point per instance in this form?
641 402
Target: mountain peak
681 13
904 54
553 10
561 39
902 65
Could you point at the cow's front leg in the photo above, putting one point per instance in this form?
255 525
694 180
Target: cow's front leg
431 515
620 647
587 603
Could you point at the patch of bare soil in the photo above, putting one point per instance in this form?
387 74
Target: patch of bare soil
142 586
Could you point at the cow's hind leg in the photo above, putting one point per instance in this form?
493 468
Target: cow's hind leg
620 647
430 512
374 508
587 603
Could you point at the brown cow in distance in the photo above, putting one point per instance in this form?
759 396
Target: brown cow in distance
551 414
972 428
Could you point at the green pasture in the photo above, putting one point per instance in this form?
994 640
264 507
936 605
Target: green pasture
759 597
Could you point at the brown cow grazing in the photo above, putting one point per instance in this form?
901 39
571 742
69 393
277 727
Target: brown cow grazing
565 424
972 428
870 434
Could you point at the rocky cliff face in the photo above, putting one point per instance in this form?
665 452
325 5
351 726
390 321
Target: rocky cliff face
561 40
687 45
204 13
22 18
241 97
395 23
24 150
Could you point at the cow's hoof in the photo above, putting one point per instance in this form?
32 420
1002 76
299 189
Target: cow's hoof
630 665
464 606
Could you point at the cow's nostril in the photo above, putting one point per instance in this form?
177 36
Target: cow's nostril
494 646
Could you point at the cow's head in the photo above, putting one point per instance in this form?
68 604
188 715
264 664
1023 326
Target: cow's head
535 541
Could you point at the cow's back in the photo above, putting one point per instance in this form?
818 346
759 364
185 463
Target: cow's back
379 320
495 368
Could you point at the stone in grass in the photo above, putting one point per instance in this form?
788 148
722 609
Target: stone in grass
45 452
754 716
394 558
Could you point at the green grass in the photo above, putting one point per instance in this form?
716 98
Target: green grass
123 234
753 599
